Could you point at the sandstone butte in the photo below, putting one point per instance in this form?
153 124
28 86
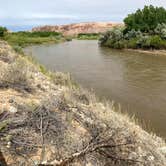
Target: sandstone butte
74 29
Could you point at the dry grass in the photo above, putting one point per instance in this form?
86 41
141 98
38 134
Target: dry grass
16 75
58 132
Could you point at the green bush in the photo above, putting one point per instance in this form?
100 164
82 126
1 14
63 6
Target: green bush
113 38
133 34
68 38
18 49
156 42
3 30
116 34
146 43
38 34
132 43
119 44
104 38
88 36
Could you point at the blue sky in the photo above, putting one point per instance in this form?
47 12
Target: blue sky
21 14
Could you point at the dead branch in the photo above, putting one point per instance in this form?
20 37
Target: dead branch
104 153
95 147
3 115
25 144
42 138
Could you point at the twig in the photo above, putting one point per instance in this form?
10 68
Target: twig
92 148
102 152
27 144
42 138
3 115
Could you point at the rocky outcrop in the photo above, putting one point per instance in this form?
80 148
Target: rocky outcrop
46 120
74 29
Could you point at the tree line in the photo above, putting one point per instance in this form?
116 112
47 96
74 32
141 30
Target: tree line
145 29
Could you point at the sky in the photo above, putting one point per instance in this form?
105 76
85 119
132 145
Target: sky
25 14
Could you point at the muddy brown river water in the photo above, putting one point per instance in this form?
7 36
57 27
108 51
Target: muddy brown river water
137 81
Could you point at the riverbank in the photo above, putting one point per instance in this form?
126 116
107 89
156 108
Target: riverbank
152 52
45 118
18 40
90 36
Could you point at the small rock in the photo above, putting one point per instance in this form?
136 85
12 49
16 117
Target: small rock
163 150
11 101
39 86
44 162
36 162
151 158
12 109
8 145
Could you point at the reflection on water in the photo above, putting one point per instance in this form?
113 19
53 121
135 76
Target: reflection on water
136 81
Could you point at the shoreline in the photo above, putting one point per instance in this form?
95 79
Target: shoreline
154 52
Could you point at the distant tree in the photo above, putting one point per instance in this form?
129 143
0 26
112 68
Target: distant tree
145 20
2 31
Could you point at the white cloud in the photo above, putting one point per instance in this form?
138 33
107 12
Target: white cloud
52 16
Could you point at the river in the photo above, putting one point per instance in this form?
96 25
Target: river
134 80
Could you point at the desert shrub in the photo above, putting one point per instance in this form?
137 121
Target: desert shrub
63 79
16 75
43 69
104 38
113 38
132 34
161 30
132 39
116 34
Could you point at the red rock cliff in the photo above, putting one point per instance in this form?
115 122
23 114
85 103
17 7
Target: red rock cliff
74 29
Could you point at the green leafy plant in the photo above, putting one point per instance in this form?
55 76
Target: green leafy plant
3 30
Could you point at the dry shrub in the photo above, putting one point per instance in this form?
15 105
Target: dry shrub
6 53
73 141
62 79
16 75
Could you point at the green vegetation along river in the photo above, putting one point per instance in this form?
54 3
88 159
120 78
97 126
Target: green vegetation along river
136 81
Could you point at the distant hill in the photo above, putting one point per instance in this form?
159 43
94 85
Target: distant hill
74 29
